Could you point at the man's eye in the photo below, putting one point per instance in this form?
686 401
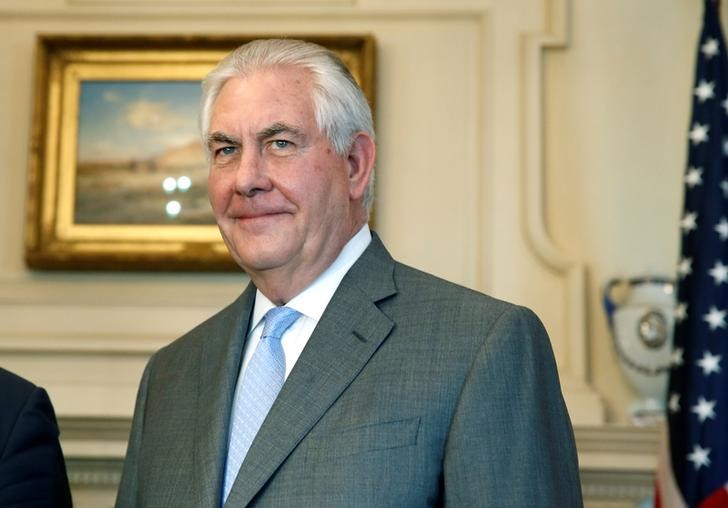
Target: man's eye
225 150
281 144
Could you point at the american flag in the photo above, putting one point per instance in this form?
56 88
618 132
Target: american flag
697 409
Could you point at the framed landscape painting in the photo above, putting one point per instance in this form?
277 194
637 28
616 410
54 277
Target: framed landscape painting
117 176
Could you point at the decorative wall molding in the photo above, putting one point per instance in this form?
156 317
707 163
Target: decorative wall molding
299 9
120 289
617 449
94 473
585 405
613 486
178 3
617 463
94 429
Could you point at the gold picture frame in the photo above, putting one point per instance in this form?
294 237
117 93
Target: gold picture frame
95 183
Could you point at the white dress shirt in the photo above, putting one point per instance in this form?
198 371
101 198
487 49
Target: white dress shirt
311 303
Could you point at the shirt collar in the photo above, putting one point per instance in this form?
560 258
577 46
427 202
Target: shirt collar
312 301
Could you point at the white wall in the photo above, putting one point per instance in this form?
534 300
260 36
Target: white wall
618 105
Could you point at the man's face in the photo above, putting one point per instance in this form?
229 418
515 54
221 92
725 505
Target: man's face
280 194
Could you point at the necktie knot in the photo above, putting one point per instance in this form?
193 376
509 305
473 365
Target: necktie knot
277 321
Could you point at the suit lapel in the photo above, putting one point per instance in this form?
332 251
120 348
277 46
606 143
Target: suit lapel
220 362
349 332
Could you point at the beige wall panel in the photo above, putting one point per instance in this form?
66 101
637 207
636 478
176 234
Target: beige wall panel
90 358
617 113
83 385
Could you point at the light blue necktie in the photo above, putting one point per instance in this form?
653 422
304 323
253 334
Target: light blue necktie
257 388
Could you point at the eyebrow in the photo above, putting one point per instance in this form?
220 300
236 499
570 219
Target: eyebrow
221 138
276 129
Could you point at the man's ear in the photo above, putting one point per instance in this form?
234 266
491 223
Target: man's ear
360 161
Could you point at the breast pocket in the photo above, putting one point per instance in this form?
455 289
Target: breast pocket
364 438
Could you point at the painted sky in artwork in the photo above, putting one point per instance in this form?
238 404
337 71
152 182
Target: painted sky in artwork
123 120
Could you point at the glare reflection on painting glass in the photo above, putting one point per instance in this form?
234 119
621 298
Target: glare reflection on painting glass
173 185
169 185
173 209
184 183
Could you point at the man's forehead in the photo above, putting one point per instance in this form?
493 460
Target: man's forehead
277 76
265 90
233 126
246 105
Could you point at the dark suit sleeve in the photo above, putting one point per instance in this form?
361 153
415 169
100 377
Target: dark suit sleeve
511 443
32 469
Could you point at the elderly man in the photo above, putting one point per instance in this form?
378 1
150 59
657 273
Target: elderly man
339 377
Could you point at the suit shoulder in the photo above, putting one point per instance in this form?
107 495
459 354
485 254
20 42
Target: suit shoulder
19 397
412 282
13 384
16 391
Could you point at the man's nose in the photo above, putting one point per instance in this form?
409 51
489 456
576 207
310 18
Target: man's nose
251 176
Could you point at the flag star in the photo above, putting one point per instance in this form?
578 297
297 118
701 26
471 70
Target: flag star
704 409
715 318
725 105
719 272
710 48
694 177
699 457
709 363
724 187
681 312
699 133
685 267
725 147
676 358
674 403
722 228
689 222
705 90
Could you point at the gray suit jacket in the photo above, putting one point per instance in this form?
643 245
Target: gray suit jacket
412 391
